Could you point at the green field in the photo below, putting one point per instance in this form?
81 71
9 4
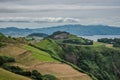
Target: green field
51 45
40 55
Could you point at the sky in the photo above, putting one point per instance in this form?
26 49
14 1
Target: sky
47 13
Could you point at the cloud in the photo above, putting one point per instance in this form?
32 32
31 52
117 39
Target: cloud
38 8
61 1
6 0
40 20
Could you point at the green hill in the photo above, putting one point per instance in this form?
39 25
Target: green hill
99 61
67 38
38 35
29 57
67 57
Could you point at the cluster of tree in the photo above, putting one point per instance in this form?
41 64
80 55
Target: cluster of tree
58 32
78 41
93 59
15 69
2 44
65 37
9 39
34 74
115 41
5 59
2 37
37 35
100 62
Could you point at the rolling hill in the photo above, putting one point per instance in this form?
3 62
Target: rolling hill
65 60
30 58
73 29
90 59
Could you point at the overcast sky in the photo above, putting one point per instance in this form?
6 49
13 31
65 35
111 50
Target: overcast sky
44 13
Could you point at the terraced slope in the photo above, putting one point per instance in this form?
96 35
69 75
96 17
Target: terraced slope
61 71
30 58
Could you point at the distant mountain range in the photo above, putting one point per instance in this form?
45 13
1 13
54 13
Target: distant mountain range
73 29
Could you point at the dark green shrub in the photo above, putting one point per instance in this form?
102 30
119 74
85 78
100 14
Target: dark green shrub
36 75
5 59
49 77
2 44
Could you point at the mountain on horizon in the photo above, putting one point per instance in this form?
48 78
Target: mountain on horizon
80 30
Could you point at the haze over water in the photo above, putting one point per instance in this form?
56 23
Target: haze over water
96 37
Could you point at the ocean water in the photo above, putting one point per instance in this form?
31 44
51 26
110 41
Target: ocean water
95 37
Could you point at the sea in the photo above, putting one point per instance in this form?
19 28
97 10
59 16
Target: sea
96 37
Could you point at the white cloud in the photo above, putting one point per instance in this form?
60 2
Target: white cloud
36 8
39 20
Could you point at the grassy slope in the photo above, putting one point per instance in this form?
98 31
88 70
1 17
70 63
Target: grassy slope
55 48
6 75
44 63
61 71
98 52
40 55
89 52
102 44
50 45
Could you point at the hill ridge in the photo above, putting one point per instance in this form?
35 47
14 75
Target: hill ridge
74 29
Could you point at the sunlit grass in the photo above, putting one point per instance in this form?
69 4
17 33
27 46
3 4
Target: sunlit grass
40 55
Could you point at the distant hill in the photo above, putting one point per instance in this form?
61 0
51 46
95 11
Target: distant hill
84 30
38 35
13 31
67 38
74 29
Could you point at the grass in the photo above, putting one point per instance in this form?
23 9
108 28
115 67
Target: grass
40 55
102 44
6 75
50 45
99 44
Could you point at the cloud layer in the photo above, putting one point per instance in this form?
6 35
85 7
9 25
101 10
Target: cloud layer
38 8
49 12
40 20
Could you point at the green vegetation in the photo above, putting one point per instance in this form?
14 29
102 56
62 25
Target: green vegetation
40 55
2 37
49 77
17 70
5 59
2 44
34 74
115 41
9 39
50 46
6 75
65 37
99 61
37 35
99 44
93 60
